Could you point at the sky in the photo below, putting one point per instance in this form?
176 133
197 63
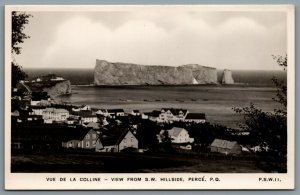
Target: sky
224 40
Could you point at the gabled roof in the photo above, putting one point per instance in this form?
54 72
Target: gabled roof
220 143
195 116
76 134
175 111
175 131
114 139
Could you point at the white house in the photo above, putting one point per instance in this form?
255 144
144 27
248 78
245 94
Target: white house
57 79
115 112
55 114
83 107
135 113
103 112
87 117
172 114
177 135
38 110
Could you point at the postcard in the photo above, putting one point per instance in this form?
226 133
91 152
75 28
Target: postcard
144 97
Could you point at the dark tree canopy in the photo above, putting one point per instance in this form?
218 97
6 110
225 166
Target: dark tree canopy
19 20
269 129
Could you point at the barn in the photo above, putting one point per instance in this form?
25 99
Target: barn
225 147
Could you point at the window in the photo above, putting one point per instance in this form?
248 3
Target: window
94 143
94 136
131 139
87 136
87 144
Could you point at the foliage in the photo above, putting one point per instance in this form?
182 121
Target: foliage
269 129
19 20
146 134
17 74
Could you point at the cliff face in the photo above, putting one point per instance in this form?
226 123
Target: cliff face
227 77
52 88
107 73
60 88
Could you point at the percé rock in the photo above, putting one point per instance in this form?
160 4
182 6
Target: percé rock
107 73
59 88
227 77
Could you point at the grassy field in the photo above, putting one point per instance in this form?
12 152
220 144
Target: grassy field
91 162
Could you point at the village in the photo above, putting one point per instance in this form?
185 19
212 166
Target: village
39 123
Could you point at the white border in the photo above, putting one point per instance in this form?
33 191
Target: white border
37 181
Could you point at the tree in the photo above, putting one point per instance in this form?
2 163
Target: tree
19 20
269 129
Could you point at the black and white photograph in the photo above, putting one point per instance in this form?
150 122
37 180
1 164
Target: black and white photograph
149 97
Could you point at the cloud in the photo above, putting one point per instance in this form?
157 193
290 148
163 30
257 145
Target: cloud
238 42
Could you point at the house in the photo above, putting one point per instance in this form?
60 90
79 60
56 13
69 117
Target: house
172 114
225 147
86 139
38 110
39 79
117 142
195 117
83 107
153 116
15 113
55 114
112 113
177 135
57 79
135 113
102 112
71 120
86 116
35 102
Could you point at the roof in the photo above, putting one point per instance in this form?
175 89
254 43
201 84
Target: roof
49 110
76 134
93 125
195 116
175 131
60 110
175 111
136 111
113 139
114 110
220 143
86 113
154 113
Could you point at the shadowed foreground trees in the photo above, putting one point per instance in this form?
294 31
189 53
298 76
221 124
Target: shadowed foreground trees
269 129
19 20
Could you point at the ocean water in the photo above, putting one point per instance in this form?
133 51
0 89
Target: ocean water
216 101
86 76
